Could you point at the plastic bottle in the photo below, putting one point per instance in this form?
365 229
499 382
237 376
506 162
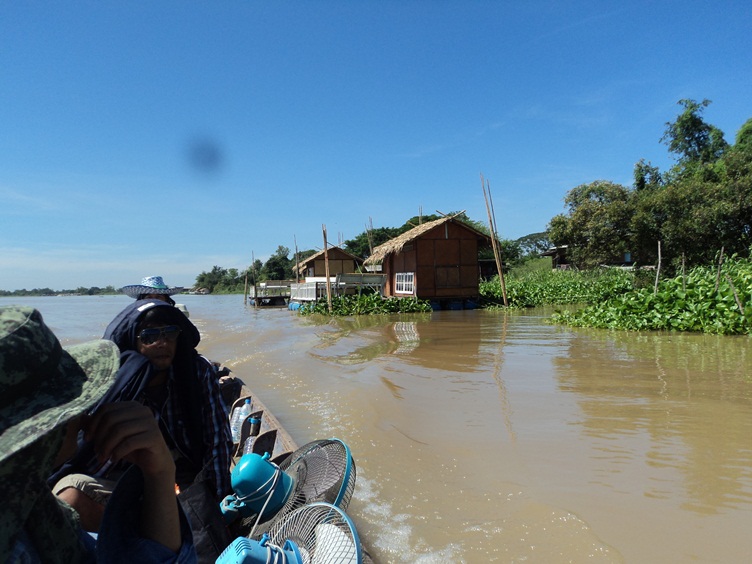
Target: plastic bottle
255 423
238 417
248 446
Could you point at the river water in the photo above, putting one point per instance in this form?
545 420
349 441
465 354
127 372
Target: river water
489 436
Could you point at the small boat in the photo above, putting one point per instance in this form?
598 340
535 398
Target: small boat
271 436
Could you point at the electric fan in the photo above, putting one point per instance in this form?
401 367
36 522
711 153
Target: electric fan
317 533
264 492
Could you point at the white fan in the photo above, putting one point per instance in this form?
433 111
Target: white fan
317 533
264 492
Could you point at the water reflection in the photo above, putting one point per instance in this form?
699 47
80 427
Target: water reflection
679 403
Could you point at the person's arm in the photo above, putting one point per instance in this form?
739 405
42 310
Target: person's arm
216 428
128 431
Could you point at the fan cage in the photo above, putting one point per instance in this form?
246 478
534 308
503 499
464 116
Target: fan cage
322 471
320 529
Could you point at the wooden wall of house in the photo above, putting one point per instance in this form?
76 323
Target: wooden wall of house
339 263
445 262
336 266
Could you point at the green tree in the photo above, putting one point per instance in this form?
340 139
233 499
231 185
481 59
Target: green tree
647 176
694 141
744 136
360 246
597 228
534 244
278 266
212 279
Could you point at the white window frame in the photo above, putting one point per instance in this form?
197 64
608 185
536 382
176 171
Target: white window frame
404 282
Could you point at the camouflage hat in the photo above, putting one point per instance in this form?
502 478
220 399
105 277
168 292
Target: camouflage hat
43 386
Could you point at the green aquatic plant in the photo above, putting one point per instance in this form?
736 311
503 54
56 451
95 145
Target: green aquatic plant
364 304
708 299
555 287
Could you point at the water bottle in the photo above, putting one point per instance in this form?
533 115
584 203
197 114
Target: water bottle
238 416
248 446
254 431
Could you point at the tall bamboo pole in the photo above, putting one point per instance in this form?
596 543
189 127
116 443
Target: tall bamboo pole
297 261
255 278
494 245
718 273
326 272
245 289
502 278
657 270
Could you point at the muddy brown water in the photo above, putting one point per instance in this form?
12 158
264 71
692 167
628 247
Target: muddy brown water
484 436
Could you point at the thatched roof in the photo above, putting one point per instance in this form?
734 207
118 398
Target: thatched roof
396 245
303 264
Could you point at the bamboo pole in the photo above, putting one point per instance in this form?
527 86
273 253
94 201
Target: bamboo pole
494 246
369 235
736 296
657 270
326 273
297 261
255 278
718 274
501 261
684 275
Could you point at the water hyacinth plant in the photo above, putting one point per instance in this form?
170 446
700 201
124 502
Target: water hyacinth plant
364 304
555 287
708 299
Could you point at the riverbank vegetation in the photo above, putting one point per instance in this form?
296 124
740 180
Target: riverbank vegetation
81 291
364 304
682 216
706 299
533 287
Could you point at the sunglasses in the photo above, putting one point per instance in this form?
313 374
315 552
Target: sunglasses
151 336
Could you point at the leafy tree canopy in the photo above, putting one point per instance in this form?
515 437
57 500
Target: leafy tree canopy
693 140
702 205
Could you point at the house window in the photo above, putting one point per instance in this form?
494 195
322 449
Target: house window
404 283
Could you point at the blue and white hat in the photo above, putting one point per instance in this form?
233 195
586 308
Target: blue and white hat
150 285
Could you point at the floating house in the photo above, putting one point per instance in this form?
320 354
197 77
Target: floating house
437 261
344 276
340 262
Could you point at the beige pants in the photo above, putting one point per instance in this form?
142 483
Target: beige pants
98 489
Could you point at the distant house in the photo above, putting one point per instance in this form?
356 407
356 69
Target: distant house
340 262
437 260
558 257
560 260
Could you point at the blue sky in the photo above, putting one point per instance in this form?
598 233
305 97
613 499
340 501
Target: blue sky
169 137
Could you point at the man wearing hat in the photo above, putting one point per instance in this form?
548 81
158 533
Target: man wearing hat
151 288
46 393
154 288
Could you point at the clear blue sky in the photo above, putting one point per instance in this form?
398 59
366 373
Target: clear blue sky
163 138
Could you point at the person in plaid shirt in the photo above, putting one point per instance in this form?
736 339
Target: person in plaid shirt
160 368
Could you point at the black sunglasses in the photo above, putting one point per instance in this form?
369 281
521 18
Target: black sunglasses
152 335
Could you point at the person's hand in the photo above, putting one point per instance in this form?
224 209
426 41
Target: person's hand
128 431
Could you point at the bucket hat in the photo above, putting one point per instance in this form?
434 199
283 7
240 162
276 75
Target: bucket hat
150 285
42 385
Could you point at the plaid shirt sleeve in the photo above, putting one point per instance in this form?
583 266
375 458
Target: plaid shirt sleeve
216 428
